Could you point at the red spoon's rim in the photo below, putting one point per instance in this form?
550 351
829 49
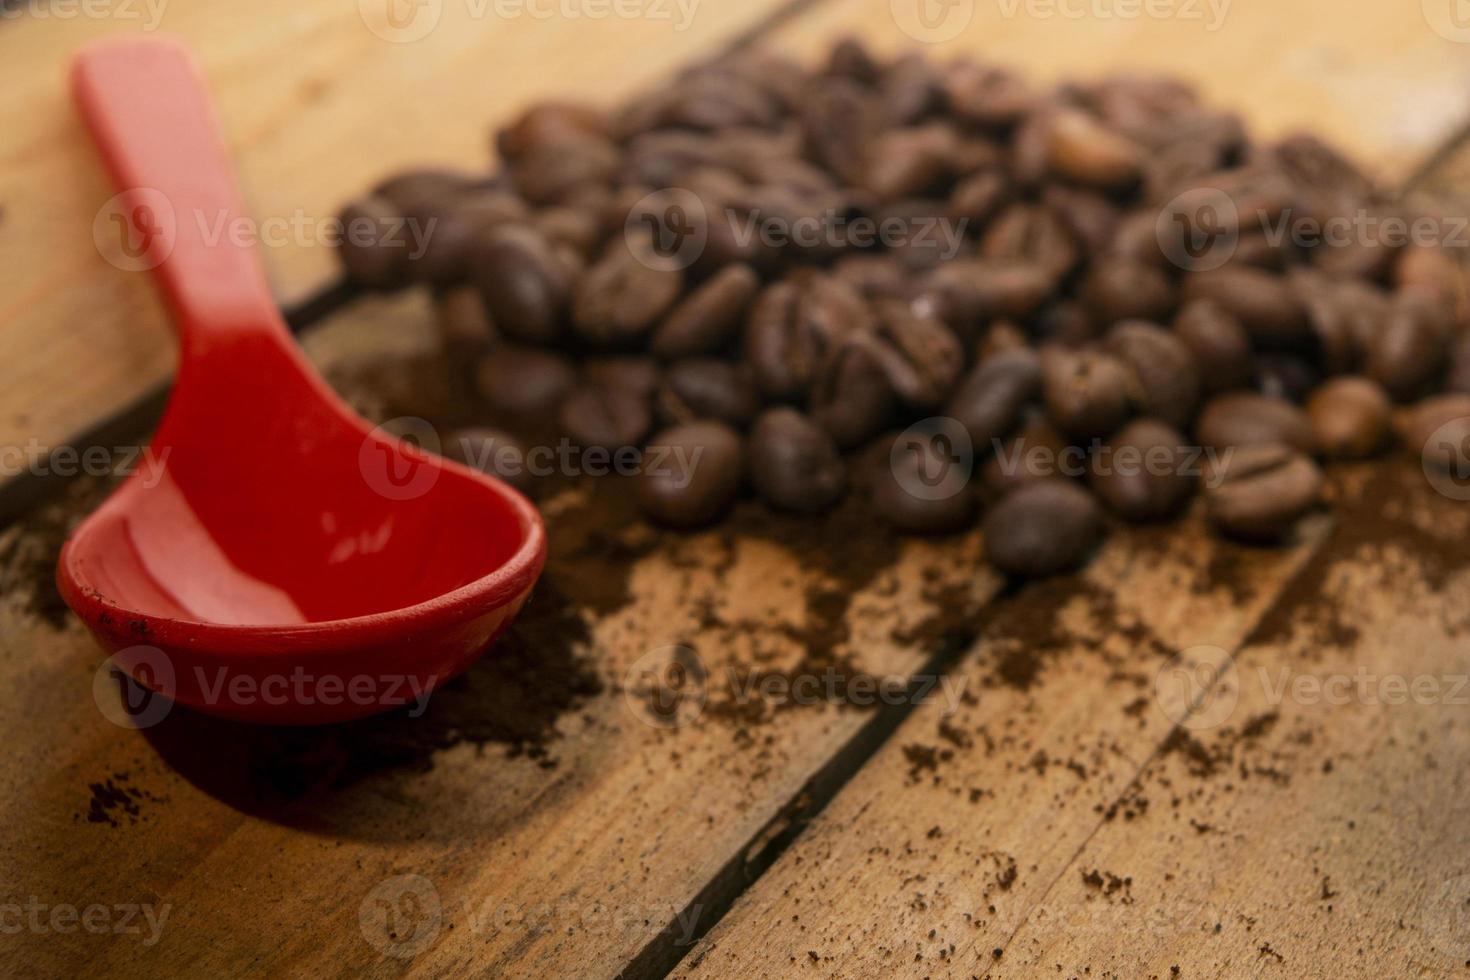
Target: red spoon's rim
497 588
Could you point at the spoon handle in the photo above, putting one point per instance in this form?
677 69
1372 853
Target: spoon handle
179 213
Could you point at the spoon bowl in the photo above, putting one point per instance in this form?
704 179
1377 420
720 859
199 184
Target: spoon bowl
276 558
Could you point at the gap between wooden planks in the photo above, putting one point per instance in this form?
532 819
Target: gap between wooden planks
316 108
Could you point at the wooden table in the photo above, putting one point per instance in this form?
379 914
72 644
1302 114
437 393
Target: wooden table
1072 800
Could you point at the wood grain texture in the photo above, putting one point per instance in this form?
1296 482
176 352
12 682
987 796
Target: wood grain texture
316 107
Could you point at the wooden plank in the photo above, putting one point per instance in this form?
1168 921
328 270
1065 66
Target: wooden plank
933 854
577 869
1314 820
316 107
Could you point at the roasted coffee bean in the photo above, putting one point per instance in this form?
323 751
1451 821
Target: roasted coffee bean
493 452
427 193
906 163
524 384
524 284
1351 417
708 318
619 299
372 248
692 474
577 228
990 400
1126 289
1219 344
792 327
921 487
850 57
1247 418
447 248
976 199
838 122
1068 324
1168 377
465 326
1088 215
1047 527
1438 429
909 90
548 172
1408 354
1036 452
1345 317
794 464
1086 391
919 355
604 417
1033 235
1146 472
1259 492
851 397
1265 304
708 389
1431 269
1082 148
973 291
549 123
990 97
634 374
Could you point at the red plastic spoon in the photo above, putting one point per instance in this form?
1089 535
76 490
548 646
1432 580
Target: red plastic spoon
282 561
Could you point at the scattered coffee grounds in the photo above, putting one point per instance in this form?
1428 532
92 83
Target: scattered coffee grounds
30 546
769 271
114 801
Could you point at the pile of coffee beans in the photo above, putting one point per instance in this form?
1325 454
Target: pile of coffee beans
941 288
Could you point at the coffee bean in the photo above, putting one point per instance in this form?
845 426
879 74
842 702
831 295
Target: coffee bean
1351 417
1247 418
1126 289
972 291
838 121
989 97
619 299
578 228
1438 430
549 123
708 389
639 376
919 355
792 327
604 417
464 324
524 384
448 246
1086 391
1344 315
1259 492
794 464
977 198
708 318
371 248
1036 452
990 400
851 397
1265 304
904 163
524 284
549 172
1219 343
1146 472
426 193
1083 149
921 488
493 452
1458 376
1287 376
1167 376
1047 527
691 474
1431 269
1032 235
1408 354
